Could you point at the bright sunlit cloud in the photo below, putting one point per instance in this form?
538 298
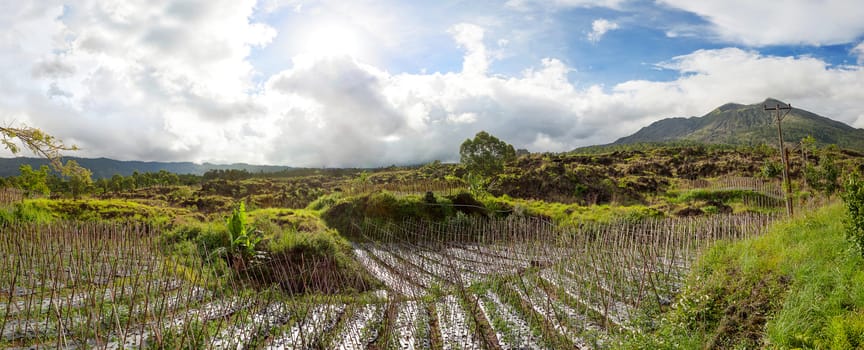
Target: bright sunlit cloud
330 39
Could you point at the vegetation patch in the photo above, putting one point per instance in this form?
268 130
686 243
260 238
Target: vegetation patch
346 214
798 286
293 248
573 213
95 210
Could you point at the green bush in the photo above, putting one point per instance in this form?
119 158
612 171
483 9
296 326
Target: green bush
771 169
853 195
320 244
6 217
325 201
25 212
846 332
824 176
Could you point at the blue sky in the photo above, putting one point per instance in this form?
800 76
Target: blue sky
643 37
380 82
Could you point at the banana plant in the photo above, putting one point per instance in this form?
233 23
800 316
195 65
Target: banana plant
242 240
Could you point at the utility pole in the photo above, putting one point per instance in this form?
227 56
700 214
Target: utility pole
780 112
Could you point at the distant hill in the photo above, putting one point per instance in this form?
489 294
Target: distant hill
738 124
105 168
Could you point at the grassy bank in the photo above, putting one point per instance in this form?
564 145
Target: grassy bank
799 286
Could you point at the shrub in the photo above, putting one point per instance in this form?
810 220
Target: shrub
846 332
29 212
854 198
771 169
325 201
242 239
6 217
823 177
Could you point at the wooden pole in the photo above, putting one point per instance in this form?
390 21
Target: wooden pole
784 155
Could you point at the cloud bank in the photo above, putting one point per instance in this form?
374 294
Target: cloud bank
761 23
171 80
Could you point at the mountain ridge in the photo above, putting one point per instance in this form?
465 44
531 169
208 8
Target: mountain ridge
734 123
106 167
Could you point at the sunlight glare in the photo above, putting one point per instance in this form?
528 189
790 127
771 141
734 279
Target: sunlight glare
331 40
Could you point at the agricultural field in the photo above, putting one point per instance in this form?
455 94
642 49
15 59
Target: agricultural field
469 283
392 259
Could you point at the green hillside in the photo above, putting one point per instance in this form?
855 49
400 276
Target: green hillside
798 286
749 125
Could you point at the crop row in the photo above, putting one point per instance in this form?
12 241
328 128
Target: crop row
467 284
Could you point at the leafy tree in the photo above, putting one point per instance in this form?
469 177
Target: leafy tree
37 141
824 176
485 154
137 182
102 186
853 196
57 184
808 144
128 183
80 178
116 183
33 182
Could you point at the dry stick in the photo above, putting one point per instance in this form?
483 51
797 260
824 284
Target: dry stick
37 281
124 253
29 285
11 289
61 330
219 287
157 332
73 267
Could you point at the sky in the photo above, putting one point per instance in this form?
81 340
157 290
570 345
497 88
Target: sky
368 83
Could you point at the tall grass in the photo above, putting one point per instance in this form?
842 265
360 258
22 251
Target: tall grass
801 285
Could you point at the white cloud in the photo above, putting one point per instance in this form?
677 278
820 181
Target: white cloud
556 4
761 23
859 51
599 28
112 76
470 37
140 81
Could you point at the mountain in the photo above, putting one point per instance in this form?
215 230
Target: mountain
750 125
105 168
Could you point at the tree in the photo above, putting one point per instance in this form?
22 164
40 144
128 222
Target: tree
33 182
80 179
37 141
808 144
485 154
116 183
824 176
102 186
